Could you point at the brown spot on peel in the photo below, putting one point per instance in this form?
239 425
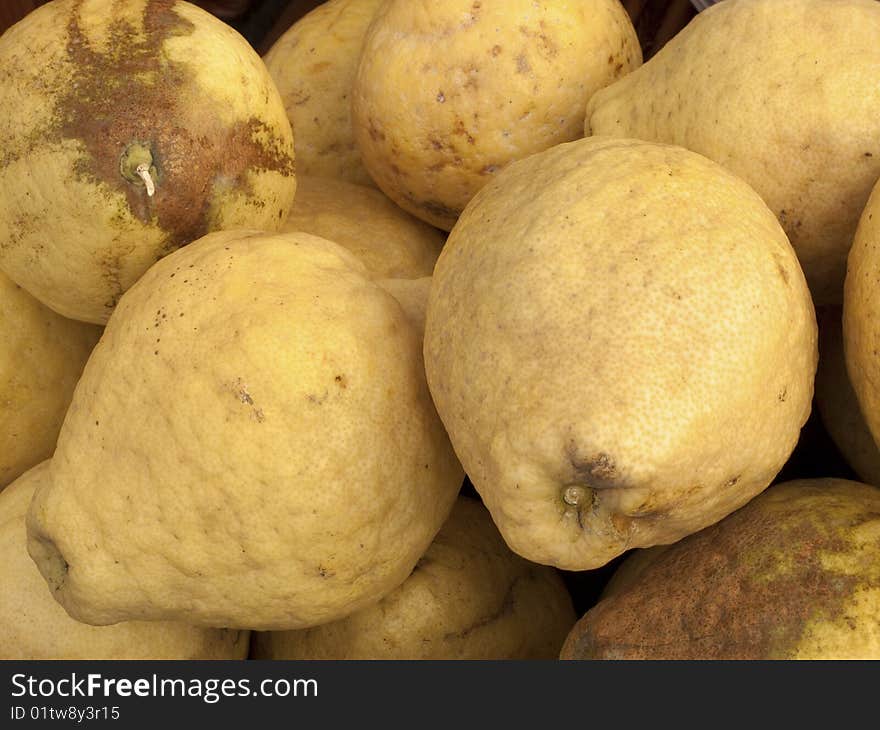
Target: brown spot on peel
783 274
239 387
597 471
132 94
376 134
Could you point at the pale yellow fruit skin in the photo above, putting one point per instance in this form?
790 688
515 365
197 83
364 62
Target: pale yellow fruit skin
389 241
34 626
251 445
837 402
861 334
41 358
794 574
469 597
447 93
73 231
622 346
763 88
412 296
313 65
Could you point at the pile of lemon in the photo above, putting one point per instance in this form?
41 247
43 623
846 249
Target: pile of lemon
259 317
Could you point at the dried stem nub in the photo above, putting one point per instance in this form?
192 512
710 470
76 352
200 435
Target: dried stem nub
143 172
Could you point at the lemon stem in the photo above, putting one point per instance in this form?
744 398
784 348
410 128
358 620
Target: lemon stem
143 172
137 166
574 495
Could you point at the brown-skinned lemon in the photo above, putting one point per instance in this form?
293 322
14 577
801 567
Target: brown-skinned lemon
795 574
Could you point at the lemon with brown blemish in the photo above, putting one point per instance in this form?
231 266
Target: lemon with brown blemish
794 574
253 444
621 344
313 65
130 129
33 626
448 93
